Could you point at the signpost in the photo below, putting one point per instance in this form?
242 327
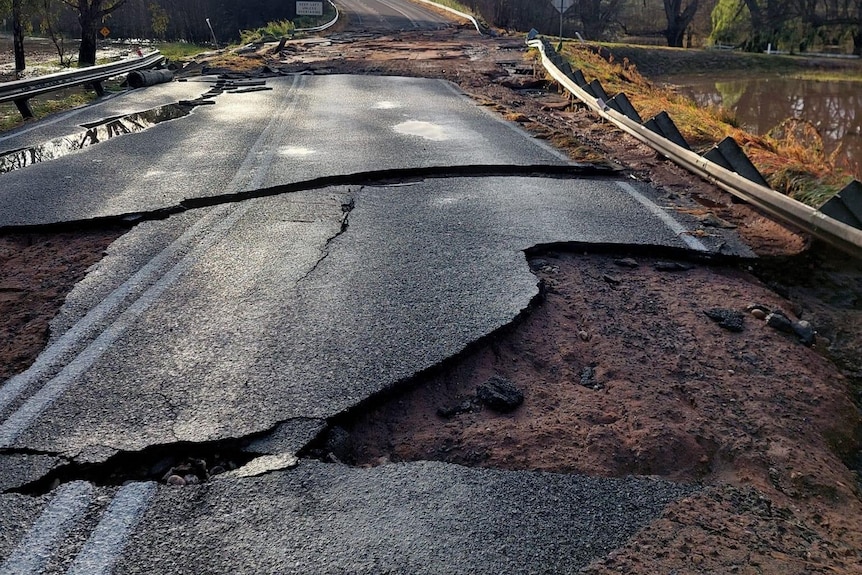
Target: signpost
309 8
562 6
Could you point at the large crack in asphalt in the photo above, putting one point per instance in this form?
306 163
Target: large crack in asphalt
365 178
182 462
346 208
278 448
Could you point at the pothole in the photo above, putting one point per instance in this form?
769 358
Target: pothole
622 373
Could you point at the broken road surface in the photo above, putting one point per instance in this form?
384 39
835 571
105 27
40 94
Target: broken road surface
323 242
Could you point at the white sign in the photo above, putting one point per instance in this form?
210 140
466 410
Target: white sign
309 8
560 5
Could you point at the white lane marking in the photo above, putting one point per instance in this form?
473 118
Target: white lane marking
75 336
110 537
258 164
58 385
261 155
53 525
676 227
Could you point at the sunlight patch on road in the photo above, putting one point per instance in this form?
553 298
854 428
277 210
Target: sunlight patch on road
425 130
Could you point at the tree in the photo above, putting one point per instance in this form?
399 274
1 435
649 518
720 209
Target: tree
48 13
91 14
160 20
730 24
597 16
18 35
678 20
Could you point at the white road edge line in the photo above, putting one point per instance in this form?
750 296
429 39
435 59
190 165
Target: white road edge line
110 537
681 232
54 524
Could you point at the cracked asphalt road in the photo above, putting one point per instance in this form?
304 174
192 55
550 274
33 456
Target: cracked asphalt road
221 322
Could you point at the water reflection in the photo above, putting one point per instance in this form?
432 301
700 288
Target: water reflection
761 103
93 134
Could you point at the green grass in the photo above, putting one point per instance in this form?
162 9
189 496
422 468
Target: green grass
180 50
272 31
44 106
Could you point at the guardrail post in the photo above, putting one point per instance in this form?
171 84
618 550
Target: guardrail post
846 205
97 86
662 125
599 91
23 106
730 156
621 104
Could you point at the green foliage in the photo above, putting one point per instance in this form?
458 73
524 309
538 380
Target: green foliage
271 32
730 22
159 19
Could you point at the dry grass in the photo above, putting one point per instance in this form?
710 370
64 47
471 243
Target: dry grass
791 157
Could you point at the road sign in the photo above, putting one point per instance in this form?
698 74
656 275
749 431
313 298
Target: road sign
562 5
105 31
309 8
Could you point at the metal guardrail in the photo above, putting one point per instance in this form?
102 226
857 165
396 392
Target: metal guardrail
806 218
456 12
20 91
323 27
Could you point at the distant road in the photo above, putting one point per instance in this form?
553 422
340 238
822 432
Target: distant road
390 15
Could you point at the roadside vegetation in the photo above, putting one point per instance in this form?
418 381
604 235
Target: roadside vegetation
791 156
271 32
175 51
46 105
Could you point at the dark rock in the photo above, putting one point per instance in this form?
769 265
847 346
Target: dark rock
588 378
500 394
611 280
466 406
671 267
805 331
779 321
626 263
729 319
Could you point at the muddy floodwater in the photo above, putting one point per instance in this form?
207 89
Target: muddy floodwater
762 102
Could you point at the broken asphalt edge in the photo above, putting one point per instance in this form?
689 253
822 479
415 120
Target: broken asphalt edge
370 178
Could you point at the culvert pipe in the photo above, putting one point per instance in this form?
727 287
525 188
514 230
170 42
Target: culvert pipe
142 78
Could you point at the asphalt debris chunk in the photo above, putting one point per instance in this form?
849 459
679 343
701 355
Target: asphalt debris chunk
500 394
729 319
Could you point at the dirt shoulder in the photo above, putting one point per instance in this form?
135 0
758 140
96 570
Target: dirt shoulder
620 367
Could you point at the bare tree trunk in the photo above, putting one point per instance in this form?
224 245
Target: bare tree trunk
678 20
18 36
